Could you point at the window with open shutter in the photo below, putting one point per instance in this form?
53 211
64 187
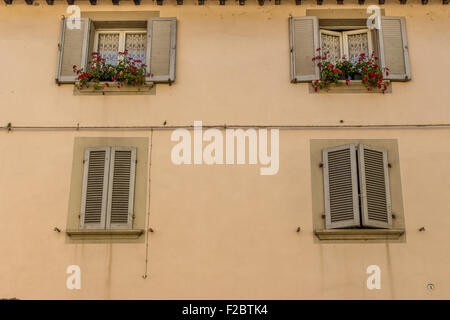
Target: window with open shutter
304 41
341 187
108 188
73 48
349 38
121 188
356 185
374 186
95 188
393 45
161 45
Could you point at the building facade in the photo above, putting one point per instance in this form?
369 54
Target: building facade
95 178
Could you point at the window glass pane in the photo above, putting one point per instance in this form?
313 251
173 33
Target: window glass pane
108 47
332 45
135 43
357 44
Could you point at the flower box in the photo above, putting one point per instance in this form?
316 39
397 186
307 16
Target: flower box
113 88
353 86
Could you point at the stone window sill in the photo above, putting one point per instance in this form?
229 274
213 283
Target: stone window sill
359 234
354 86
92 234
115 89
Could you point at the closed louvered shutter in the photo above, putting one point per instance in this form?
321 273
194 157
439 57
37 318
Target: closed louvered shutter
341 187
121 188
95 188
161 45
393 45
374 185
304 41
73 49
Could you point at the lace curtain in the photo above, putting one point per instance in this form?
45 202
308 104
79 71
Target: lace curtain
332 44
135 43
108 47
357 44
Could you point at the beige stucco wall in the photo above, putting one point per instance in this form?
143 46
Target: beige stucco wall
220 231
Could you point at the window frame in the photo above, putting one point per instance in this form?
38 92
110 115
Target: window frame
122 37
333 33
355 235
74 232
345 35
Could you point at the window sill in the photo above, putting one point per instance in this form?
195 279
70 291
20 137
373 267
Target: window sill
91 234
115 89
354 86
359 234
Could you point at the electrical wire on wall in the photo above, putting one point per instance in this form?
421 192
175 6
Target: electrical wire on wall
10 128
148 229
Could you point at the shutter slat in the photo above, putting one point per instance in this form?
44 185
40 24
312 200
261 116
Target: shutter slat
374 184
304 41
161 46
341 187
95 188
73 49
121 188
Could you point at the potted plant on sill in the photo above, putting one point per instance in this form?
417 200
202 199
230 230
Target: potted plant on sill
365 69
101 75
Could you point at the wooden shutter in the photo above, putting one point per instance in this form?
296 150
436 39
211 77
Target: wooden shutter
341 187
161 45
73 49
393 46
374 185
304 41
121 188
95 188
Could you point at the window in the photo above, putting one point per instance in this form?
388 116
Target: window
348 37
110 42
349 44
153 42
108 188
108 191
356 186
356 189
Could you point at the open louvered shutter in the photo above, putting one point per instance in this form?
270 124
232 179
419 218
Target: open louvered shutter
304 41
95 188
374 185
161 45
73 49
121 188
393 45
341 187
